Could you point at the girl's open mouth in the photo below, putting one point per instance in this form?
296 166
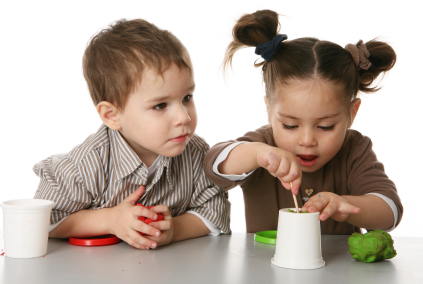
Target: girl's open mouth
307 160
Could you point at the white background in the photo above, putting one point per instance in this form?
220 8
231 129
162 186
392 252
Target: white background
46 108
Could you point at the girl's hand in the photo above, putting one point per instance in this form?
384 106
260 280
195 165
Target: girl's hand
125 225
281 164
330 205
166 226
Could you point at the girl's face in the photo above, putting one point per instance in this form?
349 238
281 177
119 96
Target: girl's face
309 119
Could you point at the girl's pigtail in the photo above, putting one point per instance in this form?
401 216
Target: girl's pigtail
382 57
252 30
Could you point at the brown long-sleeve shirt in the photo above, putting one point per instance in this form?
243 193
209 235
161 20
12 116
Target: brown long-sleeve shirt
354 170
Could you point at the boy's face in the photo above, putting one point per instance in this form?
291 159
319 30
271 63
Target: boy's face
160 117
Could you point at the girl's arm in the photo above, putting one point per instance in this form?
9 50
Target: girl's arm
281 164
242 159
367 211
374 213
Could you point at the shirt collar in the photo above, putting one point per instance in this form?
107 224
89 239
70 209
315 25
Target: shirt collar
127 161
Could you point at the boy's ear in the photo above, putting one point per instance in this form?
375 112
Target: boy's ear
355 105
109 115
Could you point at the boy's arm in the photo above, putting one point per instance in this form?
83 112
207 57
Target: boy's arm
84 223
61 182
207 200
121 220
188 226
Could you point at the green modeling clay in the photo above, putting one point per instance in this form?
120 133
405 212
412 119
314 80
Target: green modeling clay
372 246
289 210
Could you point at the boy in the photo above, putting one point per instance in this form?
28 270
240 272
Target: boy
141 80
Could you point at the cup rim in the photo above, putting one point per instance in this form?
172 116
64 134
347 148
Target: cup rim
42 204
285 210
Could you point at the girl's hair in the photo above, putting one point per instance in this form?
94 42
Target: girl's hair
308 58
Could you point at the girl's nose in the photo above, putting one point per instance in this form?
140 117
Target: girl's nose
307 139
182 116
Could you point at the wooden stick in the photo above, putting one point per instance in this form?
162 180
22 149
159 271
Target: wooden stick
295 200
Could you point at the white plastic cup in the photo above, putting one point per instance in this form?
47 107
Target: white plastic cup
26 226
298 242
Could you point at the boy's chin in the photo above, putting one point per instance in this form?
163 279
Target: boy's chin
174 152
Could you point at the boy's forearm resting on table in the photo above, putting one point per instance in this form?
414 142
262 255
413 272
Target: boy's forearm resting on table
84 223
374 213
242 159
88 223
188 226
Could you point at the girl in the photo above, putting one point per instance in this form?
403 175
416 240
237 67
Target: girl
311 100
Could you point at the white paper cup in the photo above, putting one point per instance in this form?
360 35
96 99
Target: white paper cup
26 226
298 243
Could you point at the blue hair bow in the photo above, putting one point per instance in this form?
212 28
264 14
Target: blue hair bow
269 48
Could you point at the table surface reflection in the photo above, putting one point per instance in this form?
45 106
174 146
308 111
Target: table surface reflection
235 258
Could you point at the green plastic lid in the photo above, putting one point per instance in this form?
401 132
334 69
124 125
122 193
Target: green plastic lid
267 237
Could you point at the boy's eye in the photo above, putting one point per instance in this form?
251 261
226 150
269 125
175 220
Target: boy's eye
160 106
187 98
326 128
289 127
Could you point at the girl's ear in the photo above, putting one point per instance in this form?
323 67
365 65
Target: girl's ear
355 105
109 115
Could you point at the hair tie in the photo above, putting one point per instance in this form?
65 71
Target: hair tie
269 48
360 54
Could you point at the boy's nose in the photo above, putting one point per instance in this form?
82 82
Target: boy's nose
307 139
182 116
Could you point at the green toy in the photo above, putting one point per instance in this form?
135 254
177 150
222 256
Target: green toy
372 246
289 210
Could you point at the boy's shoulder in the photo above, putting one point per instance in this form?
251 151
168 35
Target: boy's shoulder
197 143
97 140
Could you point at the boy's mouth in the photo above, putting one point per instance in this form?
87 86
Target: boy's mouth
307 160
180 139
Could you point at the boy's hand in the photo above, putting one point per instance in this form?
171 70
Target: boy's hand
166 226
125 225
281 164
330 205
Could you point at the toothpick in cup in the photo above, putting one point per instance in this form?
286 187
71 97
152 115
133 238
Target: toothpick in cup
295 200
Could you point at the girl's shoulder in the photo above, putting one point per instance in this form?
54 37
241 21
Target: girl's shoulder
354 139
356 146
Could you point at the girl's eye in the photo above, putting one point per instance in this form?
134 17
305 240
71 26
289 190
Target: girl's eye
289 127
187 98
160 106
326 128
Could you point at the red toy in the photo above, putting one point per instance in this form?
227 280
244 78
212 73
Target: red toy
160 217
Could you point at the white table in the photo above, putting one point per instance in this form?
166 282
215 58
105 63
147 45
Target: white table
233 258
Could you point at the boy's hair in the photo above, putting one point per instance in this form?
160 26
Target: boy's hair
116 57
308 58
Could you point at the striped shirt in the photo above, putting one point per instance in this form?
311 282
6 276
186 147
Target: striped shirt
104 170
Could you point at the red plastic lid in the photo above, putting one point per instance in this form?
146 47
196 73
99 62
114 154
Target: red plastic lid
95 241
